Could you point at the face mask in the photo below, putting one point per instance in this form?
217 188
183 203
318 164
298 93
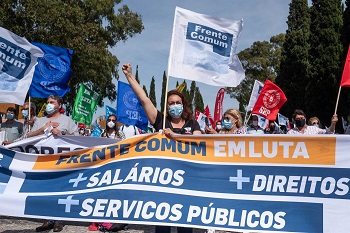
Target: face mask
218 127
227 124
255 123
300 122
25 113
9 116
175 111
272 128
111 124
50 108
316 125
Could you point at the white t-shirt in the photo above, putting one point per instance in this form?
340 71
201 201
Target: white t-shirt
129 130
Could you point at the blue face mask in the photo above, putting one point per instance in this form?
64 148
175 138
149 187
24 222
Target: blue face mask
50 108
9 116
175 111
227 124
25 113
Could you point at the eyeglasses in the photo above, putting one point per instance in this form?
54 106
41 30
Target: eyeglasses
315 123
111 120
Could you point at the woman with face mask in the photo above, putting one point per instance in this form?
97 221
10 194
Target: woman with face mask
179 120
232 123
112 129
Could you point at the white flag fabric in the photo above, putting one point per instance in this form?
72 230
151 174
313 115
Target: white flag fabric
203 49
201 121
282 120
255 94
18 59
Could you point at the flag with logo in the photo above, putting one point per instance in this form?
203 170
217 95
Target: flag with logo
97 131
129 108
254 95
85 105
270 101
18 59
218 105
203 49
110 111
282 120
52 73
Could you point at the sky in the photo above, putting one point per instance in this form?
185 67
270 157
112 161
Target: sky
149 50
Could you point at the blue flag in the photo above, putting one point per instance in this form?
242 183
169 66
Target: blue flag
110 111
96 132
129 108
52 73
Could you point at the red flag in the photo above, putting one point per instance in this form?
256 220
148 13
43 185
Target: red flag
218 105
210 117
197 114
270 101
345 79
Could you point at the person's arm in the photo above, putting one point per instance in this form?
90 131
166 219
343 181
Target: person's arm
149 108
334 121
41 130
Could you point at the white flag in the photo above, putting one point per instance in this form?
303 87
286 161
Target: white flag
282 120
18 58
203 49
202 121
255 94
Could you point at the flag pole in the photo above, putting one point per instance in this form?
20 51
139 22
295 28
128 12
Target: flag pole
336 104
165 101
29 109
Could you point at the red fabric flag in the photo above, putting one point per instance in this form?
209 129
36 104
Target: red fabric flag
210 117
270 101
345 79
197 114
218 105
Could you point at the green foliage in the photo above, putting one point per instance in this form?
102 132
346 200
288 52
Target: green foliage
89 27
145 90
137 74
198 101
162 98
261 61
322 88
152 92
295 64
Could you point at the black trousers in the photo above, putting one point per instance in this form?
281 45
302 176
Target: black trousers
167 229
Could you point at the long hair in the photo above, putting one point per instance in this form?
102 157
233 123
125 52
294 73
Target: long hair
235 114
187 113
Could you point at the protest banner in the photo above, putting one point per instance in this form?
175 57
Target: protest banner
218 111
245 183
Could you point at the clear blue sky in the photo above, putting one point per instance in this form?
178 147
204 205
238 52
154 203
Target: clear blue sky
150 49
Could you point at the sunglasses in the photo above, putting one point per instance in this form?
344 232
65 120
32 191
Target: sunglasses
111 120
315 123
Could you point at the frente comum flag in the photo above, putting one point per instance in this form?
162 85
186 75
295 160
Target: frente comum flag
345 80
270 101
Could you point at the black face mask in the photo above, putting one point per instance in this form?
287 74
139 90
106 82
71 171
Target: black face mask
272 128
300 122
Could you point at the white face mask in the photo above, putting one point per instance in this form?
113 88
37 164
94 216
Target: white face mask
111 124
218 127
255 123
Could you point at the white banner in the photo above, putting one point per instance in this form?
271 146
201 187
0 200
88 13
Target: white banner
203 49
18 59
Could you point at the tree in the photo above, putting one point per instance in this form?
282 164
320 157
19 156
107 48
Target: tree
145 90
137 74
162 98
192 94
198 101
152 92
295 64
87 27
261 61
321 90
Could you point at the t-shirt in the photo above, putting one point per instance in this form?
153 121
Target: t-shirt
66 126
129 130
13 130
252 130
189 127
310 130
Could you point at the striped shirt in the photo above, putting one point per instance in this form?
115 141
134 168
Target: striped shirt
310 130
242 130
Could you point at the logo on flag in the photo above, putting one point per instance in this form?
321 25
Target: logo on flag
203 49
269 101
129 108
52 73
18 59
218 105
